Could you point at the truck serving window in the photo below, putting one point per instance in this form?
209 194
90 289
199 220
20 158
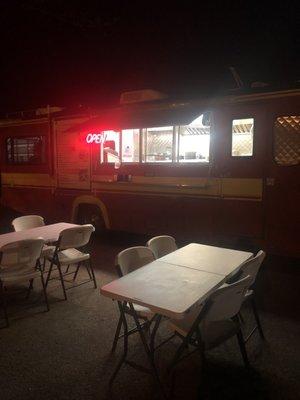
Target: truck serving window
158 144
26 150
130 145
287 140
194 141
164 144
242 137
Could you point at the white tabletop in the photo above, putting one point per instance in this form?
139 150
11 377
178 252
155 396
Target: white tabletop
166 289
213 259
49 233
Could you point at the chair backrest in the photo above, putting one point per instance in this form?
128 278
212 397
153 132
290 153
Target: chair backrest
22 252
226 301
162 245
27 222
77 236
133 258
251 266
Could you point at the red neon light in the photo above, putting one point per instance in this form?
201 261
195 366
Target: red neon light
95 138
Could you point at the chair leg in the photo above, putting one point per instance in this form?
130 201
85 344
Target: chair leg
116 338
4 305
93 274
241 318
44 264
62 280
200 346
177 355
29 289
67 269
125 349
255 312
153 333
88 270
76 272
49 273
242 347
45 292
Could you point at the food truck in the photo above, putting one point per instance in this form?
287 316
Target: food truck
217 169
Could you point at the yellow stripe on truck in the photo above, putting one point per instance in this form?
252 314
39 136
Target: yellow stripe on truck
242 188
29 179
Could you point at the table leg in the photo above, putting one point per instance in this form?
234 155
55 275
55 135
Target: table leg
125 336
148 349
153 333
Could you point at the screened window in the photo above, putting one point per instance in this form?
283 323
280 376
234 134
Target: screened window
158 144
130 145
194 141
26 150
242 137
287 140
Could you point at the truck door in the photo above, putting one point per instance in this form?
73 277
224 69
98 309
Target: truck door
239 152
283 182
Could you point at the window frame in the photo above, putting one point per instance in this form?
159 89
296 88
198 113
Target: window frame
193 163
143 153
253 141
25 164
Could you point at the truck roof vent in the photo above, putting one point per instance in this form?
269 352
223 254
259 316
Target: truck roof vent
139 96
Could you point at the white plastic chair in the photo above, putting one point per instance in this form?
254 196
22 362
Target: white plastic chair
162 245
19 262
66 253
127 261
27 222
133 258
251 268
209 325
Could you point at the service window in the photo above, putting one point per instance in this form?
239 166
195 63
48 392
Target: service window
287 140
110 148
194 141
26 150
158 144
130 145
242 137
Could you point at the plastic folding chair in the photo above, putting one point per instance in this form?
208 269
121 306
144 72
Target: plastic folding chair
30 222
212 323
66 253
162 245
27 222
19 263
127 261
251 268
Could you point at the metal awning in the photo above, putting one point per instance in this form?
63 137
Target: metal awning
139 117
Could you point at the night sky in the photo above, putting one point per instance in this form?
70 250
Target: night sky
87 52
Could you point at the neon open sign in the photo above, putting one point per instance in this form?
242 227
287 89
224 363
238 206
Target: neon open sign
98 138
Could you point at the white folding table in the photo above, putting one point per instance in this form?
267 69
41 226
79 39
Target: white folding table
167 289
170 286
208 258
50 233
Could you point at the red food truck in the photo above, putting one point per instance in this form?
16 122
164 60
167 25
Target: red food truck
217 169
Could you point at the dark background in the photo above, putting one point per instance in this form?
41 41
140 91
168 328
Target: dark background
88 52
